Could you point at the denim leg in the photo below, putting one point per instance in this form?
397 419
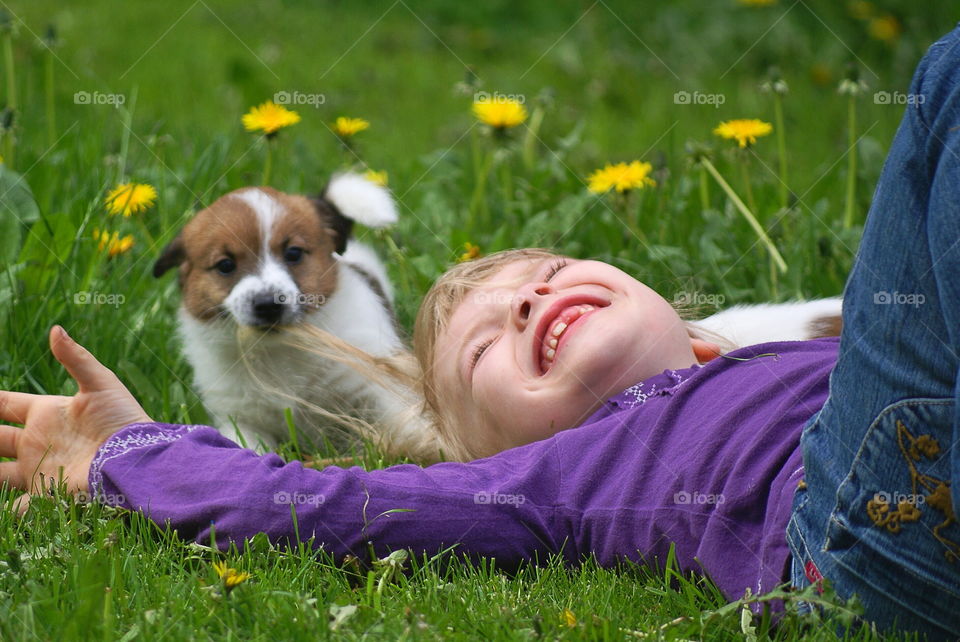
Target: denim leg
878 515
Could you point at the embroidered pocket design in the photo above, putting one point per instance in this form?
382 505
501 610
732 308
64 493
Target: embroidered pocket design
937 493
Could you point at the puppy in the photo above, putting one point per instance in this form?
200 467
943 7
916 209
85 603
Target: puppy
254 265
745 325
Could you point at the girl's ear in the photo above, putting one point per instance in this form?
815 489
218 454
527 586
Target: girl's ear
704 351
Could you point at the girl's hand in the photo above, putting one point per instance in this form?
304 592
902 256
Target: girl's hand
61 435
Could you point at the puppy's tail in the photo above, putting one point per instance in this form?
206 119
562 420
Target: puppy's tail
361 200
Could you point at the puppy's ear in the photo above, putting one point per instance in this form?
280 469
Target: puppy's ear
172 256
338 224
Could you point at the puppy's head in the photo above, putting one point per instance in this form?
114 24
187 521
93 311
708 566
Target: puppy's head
257 256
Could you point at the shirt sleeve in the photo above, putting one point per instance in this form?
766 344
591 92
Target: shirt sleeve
197 481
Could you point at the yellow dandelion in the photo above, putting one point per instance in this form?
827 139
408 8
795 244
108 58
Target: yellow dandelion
567 618
621 177
230 576
111 243
131 198
500 112
744 130
470 252
885 28
270 118
347 127
377 178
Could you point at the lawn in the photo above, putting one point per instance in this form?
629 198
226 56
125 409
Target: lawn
107 92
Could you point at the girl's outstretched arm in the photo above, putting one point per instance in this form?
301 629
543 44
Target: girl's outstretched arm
102 441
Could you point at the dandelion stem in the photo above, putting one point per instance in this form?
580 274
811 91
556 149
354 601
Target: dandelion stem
781 148
506 183
11 94
745 172
851 162
531 137
747 214
479 200
267 163
704 190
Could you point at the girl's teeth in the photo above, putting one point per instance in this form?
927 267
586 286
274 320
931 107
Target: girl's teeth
553 343
558 329
550 347
550 353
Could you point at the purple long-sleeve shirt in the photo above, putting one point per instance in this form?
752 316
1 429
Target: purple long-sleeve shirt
707 458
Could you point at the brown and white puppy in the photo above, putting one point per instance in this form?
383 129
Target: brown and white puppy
258 261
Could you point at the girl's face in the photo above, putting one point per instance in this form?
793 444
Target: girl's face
541 345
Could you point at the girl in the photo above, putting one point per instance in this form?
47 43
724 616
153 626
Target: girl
785 462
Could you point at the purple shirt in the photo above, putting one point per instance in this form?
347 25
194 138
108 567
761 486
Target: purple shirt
707 458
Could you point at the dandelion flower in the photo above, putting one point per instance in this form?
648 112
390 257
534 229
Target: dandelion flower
744 130
621 177
131 198
885 28
567 618
347 127
500 112
270 118
111 243
377 178
471 252
231 577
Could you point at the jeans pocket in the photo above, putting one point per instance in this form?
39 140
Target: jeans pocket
893 529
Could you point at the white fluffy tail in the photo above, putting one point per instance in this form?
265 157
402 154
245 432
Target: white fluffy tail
747 325
361 200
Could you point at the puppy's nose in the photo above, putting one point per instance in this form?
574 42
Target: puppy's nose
267 308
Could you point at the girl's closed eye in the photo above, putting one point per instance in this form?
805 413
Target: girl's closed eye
478 352
555 267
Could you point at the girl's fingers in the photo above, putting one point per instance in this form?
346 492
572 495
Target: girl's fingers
89 373
14 406
8 440
21 504
10 473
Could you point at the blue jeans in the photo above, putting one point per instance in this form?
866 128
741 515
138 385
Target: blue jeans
878 514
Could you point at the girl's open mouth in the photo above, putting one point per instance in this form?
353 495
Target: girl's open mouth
558 330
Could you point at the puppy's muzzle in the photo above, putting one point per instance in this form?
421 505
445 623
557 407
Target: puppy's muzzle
267 308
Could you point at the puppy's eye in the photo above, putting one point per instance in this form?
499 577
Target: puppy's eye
225 266
293 254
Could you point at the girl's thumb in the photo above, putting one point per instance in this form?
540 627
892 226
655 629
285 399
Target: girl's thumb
89 373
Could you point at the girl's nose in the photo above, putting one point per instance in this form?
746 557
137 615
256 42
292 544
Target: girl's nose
526 300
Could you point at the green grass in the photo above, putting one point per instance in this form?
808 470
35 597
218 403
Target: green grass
188 70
